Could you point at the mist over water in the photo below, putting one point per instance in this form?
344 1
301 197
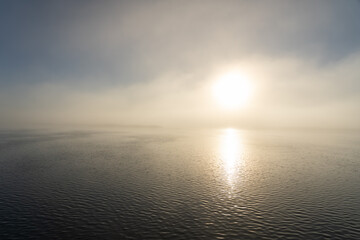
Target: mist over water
155 183
127 105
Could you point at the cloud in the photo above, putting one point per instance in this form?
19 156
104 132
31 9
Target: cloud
152 62
288 92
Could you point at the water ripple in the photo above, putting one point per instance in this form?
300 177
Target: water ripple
174 185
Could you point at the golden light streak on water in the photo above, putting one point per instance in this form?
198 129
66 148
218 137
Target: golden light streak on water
231 150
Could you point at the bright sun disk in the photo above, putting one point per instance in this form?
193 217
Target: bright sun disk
232 90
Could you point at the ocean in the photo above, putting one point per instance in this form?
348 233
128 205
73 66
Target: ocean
159 183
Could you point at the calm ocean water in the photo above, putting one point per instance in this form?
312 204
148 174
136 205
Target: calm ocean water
177 184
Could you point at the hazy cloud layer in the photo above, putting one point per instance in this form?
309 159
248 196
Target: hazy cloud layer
153 62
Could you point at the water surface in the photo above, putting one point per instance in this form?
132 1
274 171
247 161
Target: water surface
179 184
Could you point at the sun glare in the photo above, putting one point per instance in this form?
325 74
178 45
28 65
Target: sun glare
230 153
232 90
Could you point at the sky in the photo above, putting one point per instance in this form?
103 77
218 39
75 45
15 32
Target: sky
154 62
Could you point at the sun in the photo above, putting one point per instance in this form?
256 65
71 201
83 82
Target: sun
232 90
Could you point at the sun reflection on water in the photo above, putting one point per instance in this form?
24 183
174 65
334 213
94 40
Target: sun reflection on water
231 155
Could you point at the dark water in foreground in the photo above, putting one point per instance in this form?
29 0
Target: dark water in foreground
162 184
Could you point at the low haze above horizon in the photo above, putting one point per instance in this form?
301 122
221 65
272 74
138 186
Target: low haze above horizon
246 64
